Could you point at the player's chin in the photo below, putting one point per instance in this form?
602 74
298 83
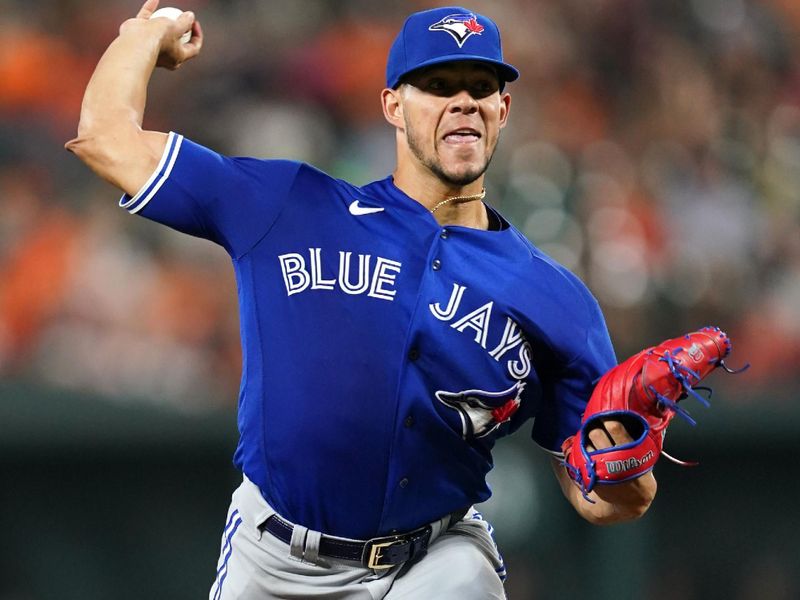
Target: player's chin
465 172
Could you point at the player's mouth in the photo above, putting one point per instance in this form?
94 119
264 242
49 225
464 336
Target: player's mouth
462 135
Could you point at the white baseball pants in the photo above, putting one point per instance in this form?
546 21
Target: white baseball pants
462 562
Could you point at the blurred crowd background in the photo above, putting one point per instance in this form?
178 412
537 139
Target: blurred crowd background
654 149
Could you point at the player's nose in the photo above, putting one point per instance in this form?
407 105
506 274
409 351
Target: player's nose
463 102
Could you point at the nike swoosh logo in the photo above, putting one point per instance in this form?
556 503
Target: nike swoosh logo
358 210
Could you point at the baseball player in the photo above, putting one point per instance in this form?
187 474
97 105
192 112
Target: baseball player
391 333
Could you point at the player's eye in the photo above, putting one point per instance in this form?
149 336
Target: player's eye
483 88
436 85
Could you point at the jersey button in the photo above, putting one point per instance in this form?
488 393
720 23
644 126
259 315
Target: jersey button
409 422
403 482
413 354
436 264
444 234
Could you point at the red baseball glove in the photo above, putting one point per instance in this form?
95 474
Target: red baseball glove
643 394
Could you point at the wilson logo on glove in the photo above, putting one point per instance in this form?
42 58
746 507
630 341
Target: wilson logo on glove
620 466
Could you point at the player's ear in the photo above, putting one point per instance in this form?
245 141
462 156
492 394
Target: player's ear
505 107
392 103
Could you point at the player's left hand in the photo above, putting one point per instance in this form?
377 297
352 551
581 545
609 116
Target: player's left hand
623 427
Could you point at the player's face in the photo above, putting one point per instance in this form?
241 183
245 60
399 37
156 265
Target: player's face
453 114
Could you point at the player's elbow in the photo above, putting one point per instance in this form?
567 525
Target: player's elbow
103 140
85 146
94 143
96 151
122 155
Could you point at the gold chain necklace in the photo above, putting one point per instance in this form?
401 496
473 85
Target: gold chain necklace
479 196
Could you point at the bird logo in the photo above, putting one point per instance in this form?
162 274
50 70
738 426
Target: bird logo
482 412
460 26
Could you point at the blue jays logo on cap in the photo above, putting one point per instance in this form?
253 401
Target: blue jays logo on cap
459 26
421 43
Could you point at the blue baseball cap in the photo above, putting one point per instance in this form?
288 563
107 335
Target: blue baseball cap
443 35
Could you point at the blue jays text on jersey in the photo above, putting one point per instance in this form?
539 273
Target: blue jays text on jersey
383 354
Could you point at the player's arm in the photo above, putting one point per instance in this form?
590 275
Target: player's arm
110 137
608 504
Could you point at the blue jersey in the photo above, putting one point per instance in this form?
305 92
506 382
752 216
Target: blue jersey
383 354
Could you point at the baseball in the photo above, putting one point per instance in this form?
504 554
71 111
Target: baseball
170 12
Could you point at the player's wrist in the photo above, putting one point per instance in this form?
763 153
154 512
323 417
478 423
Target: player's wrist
144 37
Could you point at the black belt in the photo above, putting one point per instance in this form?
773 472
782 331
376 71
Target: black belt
377 553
